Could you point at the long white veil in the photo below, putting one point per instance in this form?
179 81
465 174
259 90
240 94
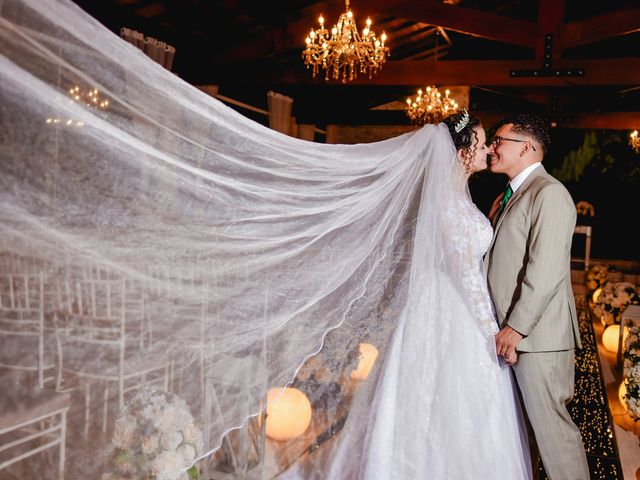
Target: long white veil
243 259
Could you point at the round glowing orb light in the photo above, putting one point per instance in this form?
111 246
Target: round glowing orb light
611 336
622 391
368 355
288 413
596 294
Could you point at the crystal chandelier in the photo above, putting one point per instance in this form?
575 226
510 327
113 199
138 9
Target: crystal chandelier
430 106
343 52
634 141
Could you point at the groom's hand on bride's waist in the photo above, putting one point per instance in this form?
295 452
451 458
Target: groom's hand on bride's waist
507 340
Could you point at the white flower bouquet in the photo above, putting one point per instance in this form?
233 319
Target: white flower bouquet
155 437
597 276
613 299
632 372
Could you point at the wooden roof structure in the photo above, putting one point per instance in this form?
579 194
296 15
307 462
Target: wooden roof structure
577 62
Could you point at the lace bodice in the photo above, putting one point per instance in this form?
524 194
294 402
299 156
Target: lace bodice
481 232
469 235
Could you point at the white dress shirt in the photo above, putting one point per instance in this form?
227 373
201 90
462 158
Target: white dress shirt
519 179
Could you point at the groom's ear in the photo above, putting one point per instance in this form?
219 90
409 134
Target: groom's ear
526 148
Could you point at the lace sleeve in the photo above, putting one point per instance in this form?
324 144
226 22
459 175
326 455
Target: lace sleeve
466 237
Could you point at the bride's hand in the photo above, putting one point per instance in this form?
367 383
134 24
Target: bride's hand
511 358
495 206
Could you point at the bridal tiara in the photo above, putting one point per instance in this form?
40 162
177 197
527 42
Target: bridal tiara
462 122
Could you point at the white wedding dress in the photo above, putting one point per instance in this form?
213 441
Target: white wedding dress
444 406
464 422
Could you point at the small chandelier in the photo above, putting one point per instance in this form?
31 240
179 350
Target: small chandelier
342 52
89 97
634 141
430 106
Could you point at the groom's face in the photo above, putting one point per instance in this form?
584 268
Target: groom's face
506 151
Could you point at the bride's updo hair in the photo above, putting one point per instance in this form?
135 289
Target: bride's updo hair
467 138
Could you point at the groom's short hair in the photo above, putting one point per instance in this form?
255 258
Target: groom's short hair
530 124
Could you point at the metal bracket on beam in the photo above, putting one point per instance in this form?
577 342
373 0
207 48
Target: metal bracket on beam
547 70
563 119
548 47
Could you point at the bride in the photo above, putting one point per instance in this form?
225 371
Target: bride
263 261
444 406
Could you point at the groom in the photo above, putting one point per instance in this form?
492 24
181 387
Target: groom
529 277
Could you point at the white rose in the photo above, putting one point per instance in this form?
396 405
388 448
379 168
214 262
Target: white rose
167 466
171 440
190 433
617 303
127 467
171 419
188 454
150 412
183 416
124 431
149 445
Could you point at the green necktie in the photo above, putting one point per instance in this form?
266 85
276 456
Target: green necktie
507 195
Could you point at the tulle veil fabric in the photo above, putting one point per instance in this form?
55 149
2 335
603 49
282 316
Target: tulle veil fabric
262 260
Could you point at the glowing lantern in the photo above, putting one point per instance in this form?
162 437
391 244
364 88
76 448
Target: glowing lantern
596 294
288 413
368 355
611 336
622 391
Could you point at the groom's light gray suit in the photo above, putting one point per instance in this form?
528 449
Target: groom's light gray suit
529 277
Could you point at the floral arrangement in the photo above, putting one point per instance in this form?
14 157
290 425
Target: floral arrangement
613 299
155 438
597 276
632 372
585 208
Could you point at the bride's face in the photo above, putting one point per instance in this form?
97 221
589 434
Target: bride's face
476 159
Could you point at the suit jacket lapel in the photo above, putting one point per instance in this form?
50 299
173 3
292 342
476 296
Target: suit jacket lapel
513 200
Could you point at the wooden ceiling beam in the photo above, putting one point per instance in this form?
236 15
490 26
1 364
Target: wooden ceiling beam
465 20
431 53
604 120
602 27
550 19
460 19
414 33
622 71
289 36
598 72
